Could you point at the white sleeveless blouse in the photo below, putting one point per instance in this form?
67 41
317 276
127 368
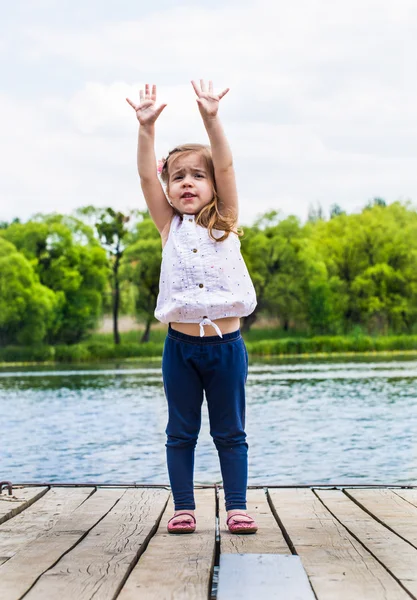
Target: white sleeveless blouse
202 279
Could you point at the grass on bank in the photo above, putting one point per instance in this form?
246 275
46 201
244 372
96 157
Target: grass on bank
259 342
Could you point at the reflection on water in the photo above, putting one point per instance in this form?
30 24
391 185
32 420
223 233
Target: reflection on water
307 422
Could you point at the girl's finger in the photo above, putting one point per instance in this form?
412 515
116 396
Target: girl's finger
202 85
210 87
146 90
159 110
132 104
223 93
195 86
153 92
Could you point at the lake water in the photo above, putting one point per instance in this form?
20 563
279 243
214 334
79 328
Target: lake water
308 422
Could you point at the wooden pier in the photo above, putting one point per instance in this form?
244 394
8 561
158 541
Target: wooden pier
110 542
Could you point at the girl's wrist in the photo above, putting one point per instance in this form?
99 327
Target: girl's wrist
211 123
149 127
211 118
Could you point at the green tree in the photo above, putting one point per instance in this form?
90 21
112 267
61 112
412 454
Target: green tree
336 211
371 258
27 308
112 229
255 248
284 295
69 261
324 299
271 249
141 267
375 202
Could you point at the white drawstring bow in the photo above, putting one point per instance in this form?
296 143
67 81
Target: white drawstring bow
207 321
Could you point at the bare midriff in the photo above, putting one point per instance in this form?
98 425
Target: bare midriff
226 325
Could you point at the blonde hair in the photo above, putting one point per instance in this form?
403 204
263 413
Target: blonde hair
209 215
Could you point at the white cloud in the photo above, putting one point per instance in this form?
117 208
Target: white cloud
321 107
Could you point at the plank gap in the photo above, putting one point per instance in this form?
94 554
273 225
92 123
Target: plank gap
142 548
25 504
413 504
358 503
93 491
362 544
214 576
280 523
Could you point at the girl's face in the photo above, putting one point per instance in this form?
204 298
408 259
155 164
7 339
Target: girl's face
189 185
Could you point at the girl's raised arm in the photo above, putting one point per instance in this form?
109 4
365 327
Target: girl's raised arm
147 113
208 105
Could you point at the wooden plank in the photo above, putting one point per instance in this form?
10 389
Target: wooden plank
266 576
21 499
398 556
408 495
38 518
99 564
21 571
267 540
391 509
180 565
336 564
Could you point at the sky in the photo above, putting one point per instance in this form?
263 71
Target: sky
322 107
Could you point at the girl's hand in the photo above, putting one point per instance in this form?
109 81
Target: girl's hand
208 102
146 111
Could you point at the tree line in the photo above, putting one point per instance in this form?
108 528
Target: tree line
329 276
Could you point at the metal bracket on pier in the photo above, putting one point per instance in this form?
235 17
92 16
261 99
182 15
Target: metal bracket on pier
8 485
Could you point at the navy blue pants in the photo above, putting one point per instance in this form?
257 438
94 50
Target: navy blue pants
219 366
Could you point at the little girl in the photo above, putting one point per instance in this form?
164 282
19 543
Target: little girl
204 283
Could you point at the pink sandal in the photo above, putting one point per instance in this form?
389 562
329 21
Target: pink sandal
182 526
240 526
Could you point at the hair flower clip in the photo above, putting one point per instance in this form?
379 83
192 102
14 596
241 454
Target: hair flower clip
161 164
